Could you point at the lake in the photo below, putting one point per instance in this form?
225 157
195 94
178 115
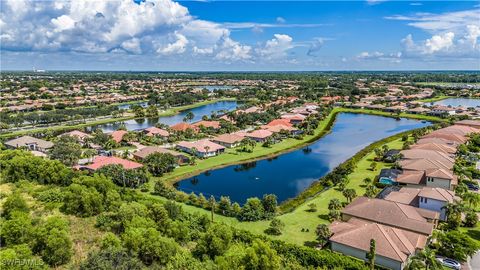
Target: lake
198 112
455 102
289 174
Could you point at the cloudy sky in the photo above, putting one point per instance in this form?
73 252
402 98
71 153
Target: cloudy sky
167 35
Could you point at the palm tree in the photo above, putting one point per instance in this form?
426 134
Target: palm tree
89 153
424 259
472 199
334 204
349 194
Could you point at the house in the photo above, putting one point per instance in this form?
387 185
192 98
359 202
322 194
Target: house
430 198
392 214
182 127
202 148
208 124
146 151
31 143
388 176
280 128
294 118
156 132
418 110
428 154
469 123
393 246
81 136
259 135
117 135
101 161
283 122
228 140
442 111
443 148
391 155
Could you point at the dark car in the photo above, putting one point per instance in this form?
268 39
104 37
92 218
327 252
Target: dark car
472 186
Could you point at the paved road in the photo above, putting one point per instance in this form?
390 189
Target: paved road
475 261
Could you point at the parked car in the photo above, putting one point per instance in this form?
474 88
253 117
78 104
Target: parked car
450 263
472 186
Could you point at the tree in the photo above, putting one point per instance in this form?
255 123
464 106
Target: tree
215 242
349 194
52 241
20 253
14 203
269 202
471 219
425 259
211 204
82 201
67 150
152 111
472 199
111 259
334 204
276 226
261 256
333 215
457 245
371 254
373 166
160 163
17 229
367 181
371 191
224 205
252 210
132 178
189 116
323 234
454 215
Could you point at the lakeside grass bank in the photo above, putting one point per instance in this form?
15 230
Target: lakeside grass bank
169 112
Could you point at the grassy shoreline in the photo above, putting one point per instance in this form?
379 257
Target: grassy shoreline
169 112
231 157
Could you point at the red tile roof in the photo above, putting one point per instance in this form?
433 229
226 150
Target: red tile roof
118 135
284 122
259 134
152 131
183 127
201 145
208 124
101 161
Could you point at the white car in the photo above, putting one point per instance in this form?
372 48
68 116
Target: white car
450 263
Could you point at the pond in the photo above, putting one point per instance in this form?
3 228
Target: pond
455 102
198 112
289 174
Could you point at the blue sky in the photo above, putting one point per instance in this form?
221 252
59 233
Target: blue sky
165 35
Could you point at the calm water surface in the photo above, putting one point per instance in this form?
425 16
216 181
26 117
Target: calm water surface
289 174
198 112
455 102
